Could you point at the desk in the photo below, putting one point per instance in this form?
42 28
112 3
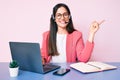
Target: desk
72 75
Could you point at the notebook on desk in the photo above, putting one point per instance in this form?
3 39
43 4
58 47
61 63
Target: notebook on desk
92 66
29 58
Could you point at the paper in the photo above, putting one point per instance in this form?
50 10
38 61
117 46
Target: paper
92 66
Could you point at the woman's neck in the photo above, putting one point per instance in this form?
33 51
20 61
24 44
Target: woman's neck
62 31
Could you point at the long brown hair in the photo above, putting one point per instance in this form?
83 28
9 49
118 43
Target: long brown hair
52 48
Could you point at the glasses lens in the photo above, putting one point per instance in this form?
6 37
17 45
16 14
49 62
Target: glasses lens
65 15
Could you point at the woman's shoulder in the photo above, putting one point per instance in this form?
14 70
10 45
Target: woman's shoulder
75 36
46 32
77 33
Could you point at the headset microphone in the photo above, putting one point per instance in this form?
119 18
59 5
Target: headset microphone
66 22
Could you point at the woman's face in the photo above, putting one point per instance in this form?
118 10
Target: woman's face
62 17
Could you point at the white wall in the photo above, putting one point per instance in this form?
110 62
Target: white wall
26 20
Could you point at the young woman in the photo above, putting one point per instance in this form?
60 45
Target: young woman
63 43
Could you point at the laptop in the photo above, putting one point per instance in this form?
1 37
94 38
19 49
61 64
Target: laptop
28 56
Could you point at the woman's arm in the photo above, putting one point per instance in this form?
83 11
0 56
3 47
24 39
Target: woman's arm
44 50
84 51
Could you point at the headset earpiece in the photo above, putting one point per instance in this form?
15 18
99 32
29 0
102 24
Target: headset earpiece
53 17
70 16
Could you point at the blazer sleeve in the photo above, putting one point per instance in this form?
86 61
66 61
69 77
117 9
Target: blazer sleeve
83 51
44 49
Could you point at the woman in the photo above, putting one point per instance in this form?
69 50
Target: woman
63 43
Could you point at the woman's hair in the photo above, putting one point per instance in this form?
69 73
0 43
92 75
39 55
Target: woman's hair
52 48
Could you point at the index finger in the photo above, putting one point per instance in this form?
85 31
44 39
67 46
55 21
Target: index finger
101 22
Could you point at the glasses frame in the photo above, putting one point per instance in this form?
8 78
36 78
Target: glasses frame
59 15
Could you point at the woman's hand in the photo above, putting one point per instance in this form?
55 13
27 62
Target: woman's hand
94 27
43 61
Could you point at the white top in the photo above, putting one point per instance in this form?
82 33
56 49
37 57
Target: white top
61 47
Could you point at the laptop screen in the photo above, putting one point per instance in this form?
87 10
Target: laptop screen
27 55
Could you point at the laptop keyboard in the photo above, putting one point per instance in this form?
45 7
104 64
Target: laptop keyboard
49 67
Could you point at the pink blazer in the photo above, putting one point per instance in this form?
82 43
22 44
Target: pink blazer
75 48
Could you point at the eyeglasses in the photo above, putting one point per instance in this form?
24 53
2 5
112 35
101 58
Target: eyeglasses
65 15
